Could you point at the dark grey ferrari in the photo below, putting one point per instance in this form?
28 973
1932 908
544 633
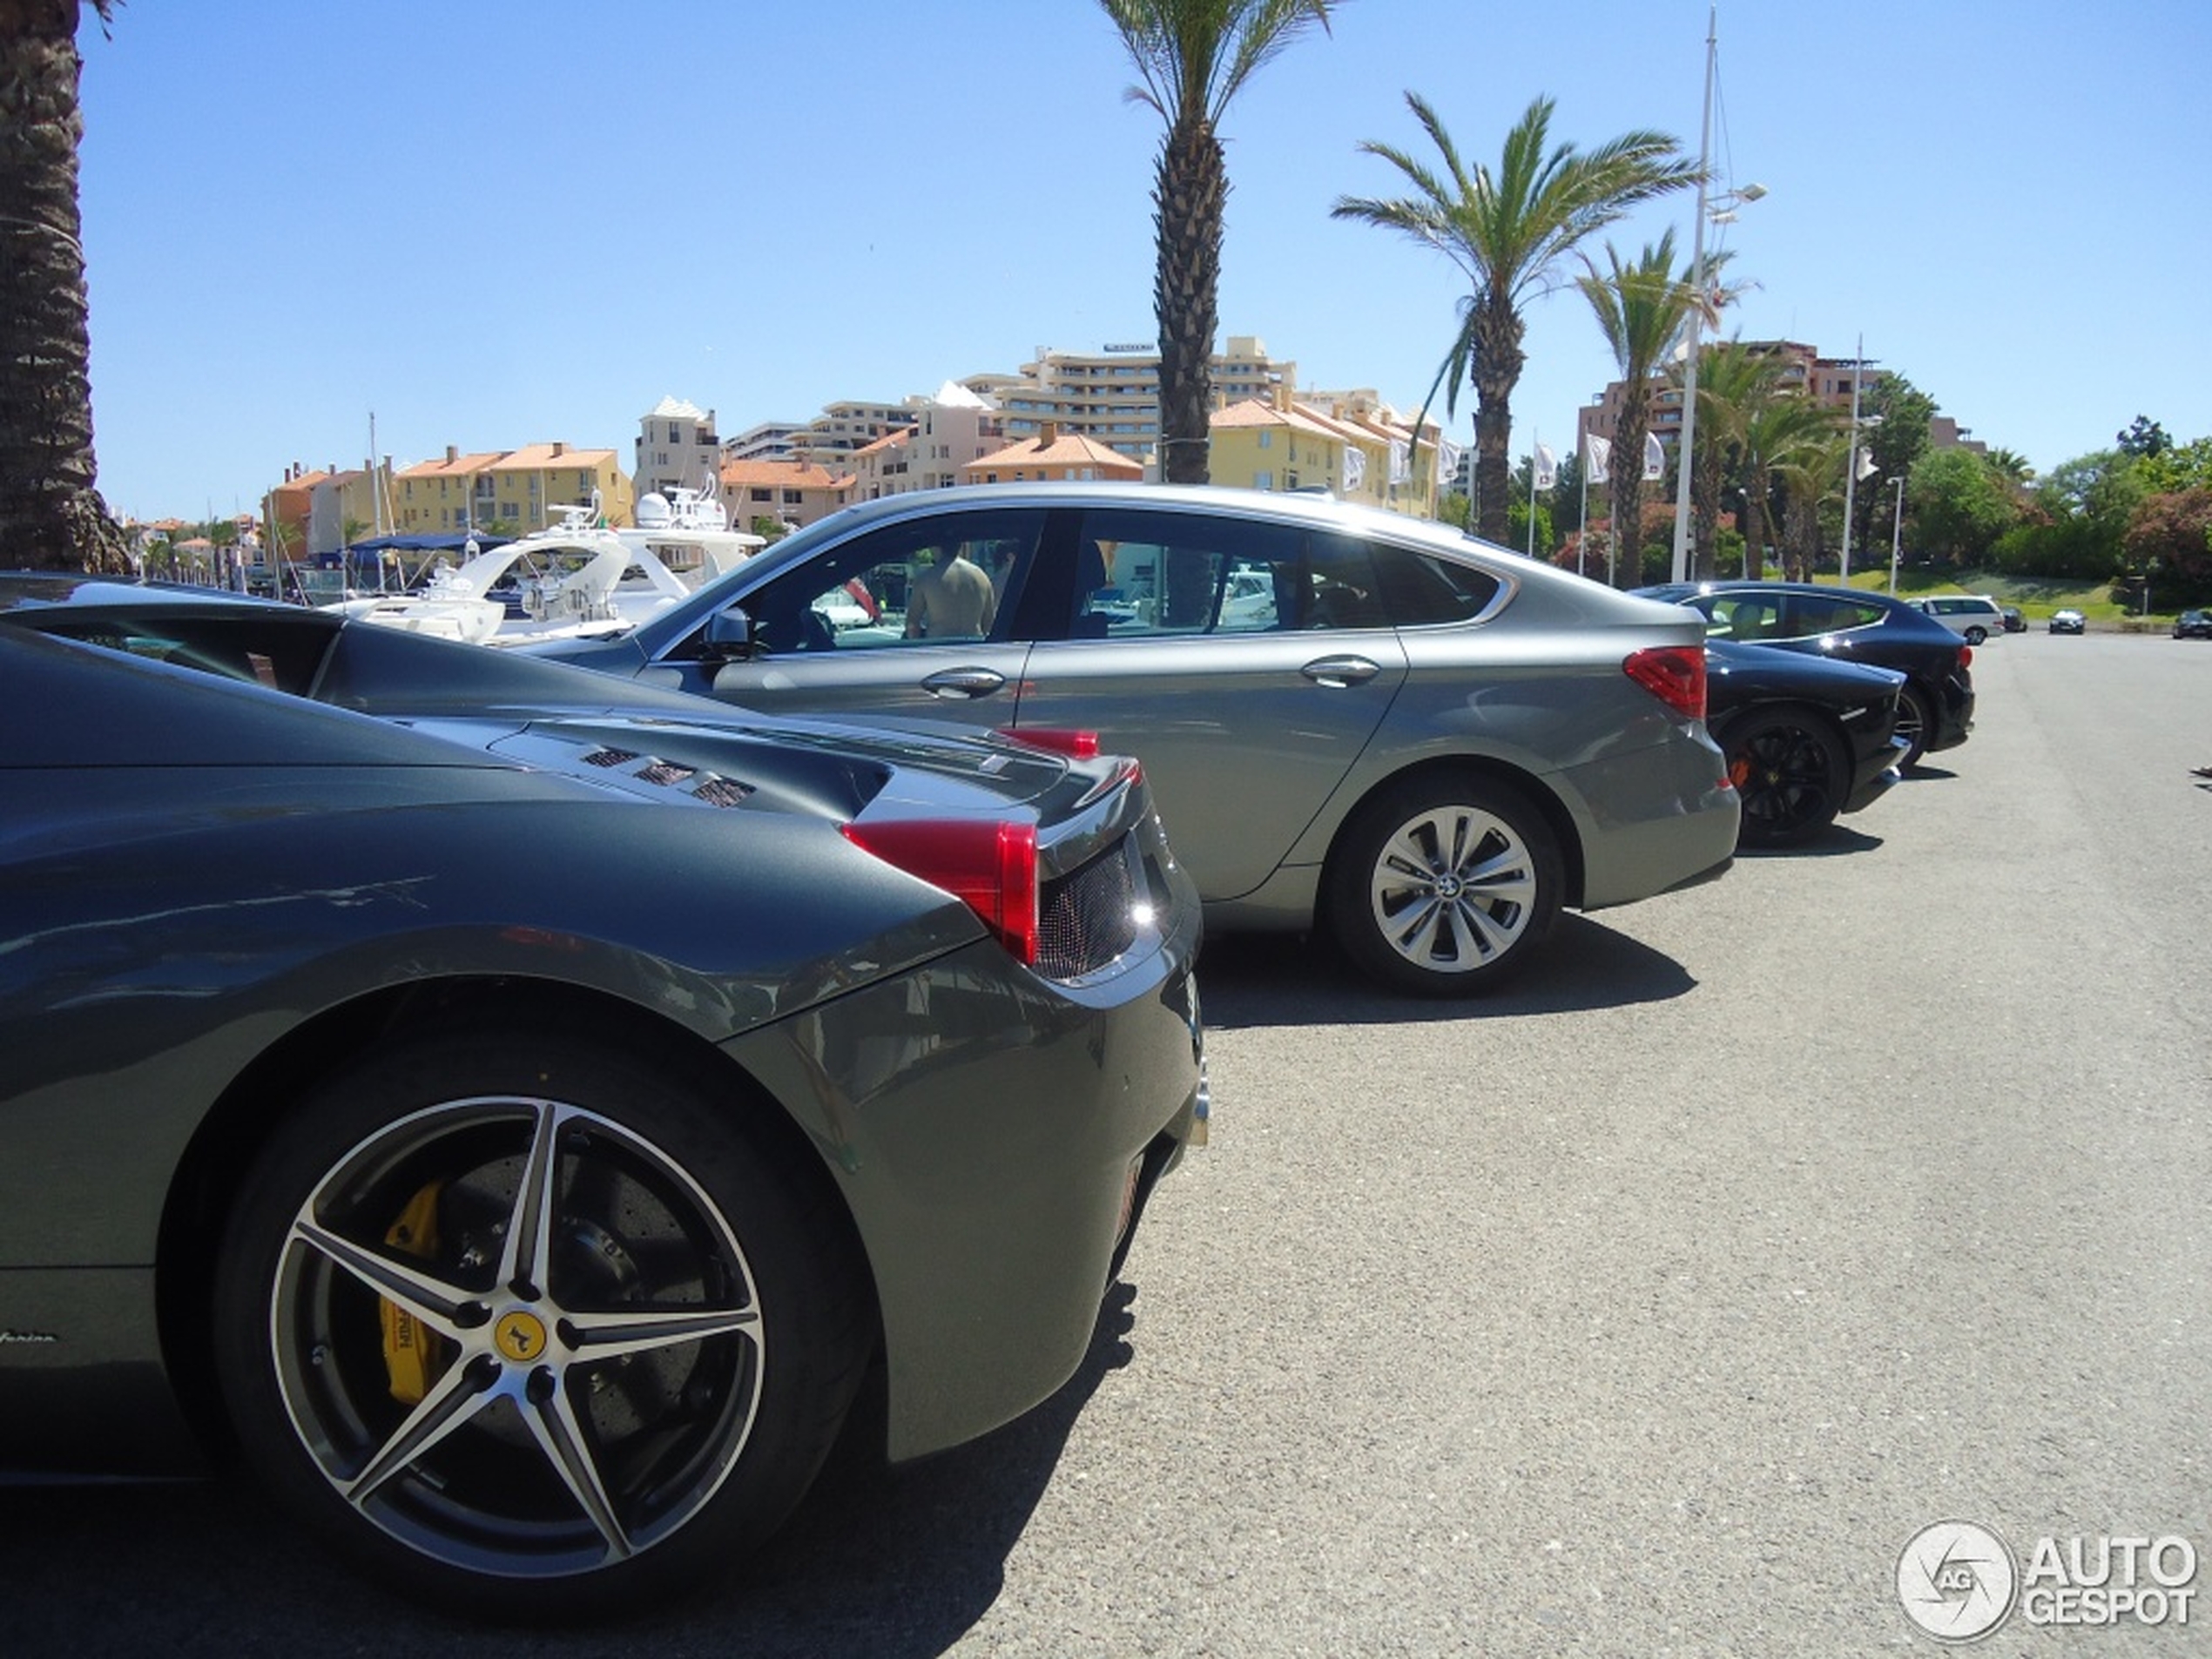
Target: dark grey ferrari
514 1108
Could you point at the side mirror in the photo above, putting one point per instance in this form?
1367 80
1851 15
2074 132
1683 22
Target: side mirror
728 638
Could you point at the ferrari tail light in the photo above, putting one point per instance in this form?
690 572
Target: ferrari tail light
1078 745
989 864
1674 674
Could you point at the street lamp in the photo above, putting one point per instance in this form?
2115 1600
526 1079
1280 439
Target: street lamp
1851 463
1897 532
1720 212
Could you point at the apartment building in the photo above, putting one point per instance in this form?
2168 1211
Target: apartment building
950 430
1053 457
513 490
794 492
677 449
1350 444
1112 395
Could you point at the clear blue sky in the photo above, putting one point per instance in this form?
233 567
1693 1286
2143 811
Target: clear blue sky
504 221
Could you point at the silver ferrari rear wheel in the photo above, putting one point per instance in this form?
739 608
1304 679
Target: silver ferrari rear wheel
518 1344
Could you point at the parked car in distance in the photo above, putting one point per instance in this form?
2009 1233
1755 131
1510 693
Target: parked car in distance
1973 616
517 1108
1354 721
1806 738
2068 622
2193 625
2014 621
1935 706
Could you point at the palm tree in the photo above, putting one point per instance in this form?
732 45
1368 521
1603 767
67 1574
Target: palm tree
1771 437
1508 232
1641 308
1194 56
51 516
1735 382
1813 474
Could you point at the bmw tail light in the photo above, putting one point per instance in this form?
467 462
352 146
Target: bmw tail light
1966 655
1674 674
989 864
1077 745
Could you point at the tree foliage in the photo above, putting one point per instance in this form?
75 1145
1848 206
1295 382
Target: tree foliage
1957 506
1509 229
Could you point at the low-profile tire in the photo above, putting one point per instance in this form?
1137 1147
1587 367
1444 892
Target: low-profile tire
1791 770
1915 723
533 1327
1444 884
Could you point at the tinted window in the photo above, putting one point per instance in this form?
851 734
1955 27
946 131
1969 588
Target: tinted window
1810 614
942 577
1140 572
1418 589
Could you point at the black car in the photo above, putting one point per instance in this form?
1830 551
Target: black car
1935 706
516 1110
1806 738
2193 625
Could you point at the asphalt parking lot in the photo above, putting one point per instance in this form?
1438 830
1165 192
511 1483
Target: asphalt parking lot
1648 1309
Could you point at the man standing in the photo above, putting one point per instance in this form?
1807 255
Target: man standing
951 599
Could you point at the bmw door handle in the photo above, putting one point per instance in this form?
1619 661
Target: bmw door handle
955 684
1341 670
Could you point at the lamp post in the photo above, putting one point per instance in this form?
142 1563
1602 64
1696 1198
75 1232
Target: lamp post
1719 212
1897 532
1851 463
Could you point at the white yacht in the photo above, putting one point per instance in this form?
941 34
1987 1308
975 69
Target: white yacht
576 577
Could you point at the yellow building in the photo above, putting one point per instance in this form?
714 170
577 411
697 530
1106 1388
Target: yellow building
1356 450
518 490
529 486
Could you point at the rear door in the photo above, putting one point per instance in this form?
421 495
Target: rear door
1246 664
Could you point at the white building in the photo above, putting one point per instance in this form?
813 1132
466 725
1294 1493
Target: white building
677 446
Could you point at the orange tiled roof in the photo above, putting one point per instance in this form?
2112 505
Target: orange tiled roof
1067 449
787 475
459 465
536 457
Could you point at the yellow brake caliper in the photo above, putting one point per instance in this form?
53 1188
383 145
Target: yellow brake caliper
414 1354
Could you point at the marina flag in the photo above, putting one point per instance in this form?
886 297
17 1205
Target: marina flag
1601 452
1866 467
1546 466
1654 457
1355 467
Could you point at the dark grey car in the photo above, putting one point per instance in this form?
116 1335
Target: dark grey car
516 1107
1351 719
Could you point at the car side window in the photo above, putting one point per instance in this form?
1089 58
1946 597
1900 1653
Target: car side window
940 578
1418 587
1145 573
1811 615
1746 617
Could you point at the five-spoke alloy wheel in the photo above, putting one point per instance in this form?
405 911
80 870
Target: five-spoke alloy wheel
523 1322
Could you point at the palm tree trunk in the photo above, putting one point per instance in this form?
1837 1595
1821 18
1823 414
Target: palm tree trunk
1626 481
51 516
1188 200
1497 363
